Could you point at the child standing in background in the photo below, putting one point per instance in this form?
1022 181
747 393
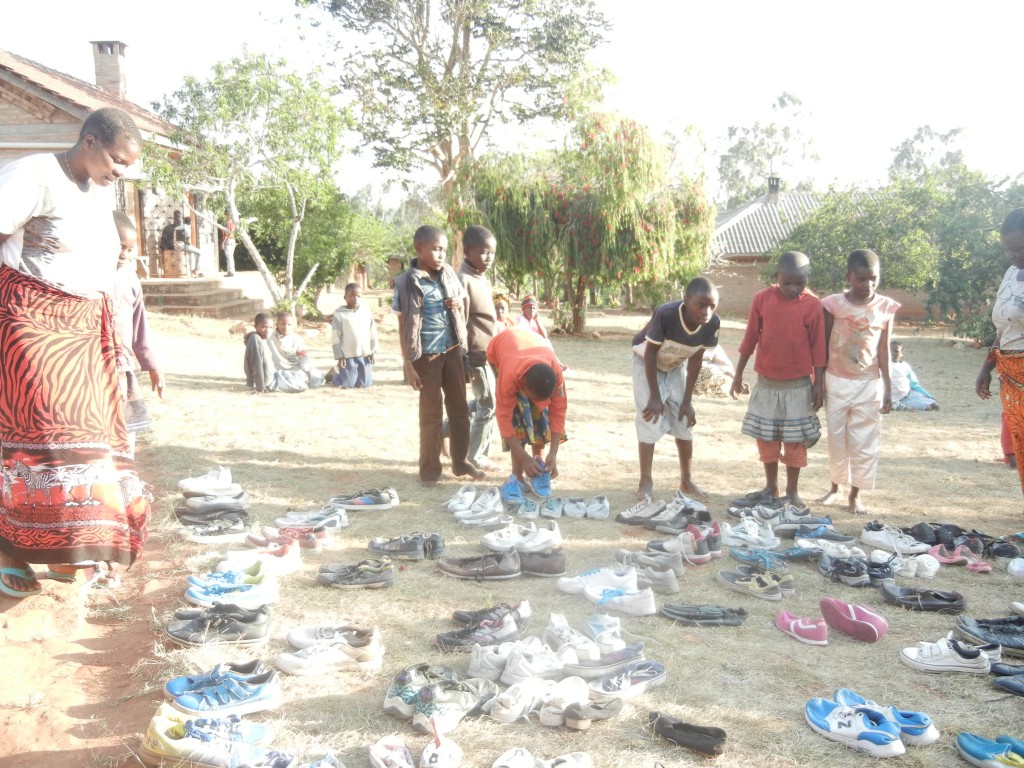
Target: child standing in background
505 320
787 328
130 319
858 389
354 341
530 319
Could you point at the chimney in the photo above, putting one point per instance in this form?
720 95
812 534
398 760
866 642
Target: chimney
774 182
108 56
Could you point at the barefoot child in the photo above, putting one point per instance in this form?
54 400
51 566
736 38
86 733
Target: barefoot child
787 328
858 390
667 356
531 402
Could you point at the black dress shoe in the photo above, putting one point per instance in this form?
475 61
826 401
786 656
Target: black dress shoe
706 740
1006 670
913 599
1007 632
1012 683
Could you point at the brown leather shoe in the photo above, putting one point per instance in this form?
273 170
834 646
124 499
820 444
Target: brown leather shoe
490 567
549 564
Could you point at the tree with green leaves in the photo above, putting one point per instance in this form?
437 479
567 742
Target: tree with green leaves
255 124
763 150
430 79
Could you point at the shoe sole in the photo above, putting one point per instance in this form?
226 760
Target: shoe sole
373 585
804 640
857 629
544 575
923 666
243 708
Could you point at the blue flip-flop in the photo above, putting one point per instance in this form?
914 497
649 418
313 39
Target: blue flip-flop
22 573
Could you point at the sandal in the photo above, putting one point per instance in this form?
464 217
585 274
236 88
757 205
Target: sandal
25 573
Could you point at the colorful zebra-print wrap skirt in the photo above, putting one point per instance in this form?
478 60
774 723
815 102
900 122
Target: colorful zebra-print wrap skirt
69 491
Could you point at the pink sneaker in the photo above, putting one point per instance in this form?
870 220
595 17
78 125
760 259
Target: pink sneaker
854 620
810 631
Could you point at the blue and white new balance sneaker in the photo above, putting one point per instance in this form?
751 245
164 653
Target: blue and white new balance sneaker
512 491
863 730
916 728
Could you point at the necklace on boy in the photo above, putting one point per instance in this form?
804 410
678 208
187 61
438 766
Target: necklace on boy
62 158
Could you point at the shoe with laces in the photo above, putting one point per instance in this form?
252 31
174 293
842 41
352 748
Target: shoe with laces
360 643
773 561
373 498
606 631
488 661
521 613
806 630
528 508
559 635
541 484
748 532
249 575
492 632
640 512
549 564
441 706
551 507
231 728
598 508
617 576
220 625
168 741
693 550
177 686
916 728
575 506
712 535
324 658
492 566
524 663
861 730
606 664
630 682
367 574
635 602
657 561
415 546
891 539
217 531
667 513
754 585
662 582
400 700
853 572
541 539
326 518
262 590
822 533
216 481
784 519
233 697
570 690
390 752
783 579
508 538
512 492
690 503
461 500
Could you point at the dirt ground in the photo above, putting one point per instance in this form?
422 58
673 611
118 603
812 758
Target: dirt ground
83 673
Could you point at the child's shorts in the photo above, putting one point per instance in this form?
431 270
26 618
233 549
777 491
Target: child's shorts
671 385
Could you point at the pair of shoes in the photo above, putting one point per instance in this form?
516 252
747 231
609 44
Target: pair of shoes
754 584
240 671
216 481
616 576
821 532
707 741
914 599
806 630
703 615
233 697
171 740
326 518
916 728
366 574
559 636
489 661
635 602
527 662
748 532
442 705
597 508
217 531
321 650
492 566
851 571
370 499
692 544
640 512
630 681
552 507
946 655
656 561
891 539
485 632
854 620
523 538
864 730
400 699
784 519
606 664
249 592
415 546
990 753
221 624
521 613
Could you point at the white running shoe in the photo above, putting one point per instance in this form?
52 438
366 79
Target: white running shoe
523 663
662 582
617 576
541 539
213 482
749 532
508 538
891 539
488 661
606 631
462 499
571 690
326 658
488 501
637 602
559 635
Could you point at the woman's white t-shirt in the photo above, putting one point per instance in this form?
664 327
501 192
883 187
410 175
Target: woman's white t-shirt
1008 312
58 232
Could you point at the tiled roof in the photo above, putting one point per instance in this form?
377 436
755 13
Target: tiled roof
758 227
74 92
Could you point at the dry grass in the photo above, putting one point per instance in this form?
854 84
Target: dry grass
294 451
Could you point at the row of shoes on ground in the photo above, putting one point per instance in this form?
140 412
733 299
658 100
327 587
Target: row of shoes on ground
865 726
854 620
412 546
708 741
759 582
984 752
784 518
220 624
498 566
648 509
371 573
321 649
524 538
951 655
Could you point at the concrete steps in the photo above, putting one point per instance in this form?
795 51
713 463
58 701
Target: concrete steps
204 296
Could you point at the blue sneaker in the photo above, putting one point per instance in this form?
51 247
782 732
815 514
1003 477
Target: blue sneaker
528 508
916 728
771 561
863 730
541 484
176 686
978 750
234 697
512 491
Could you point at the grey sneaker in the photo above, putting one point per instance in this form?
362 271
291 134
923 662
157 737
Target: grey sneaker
640 512
494 632
490 567
662 582
658 561
368 574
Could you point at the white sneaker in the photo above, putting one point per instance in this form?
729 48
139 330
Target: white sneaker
317 634
1016 567
488 501
541 539
488 661
487 519
214 481
662 582
559 636
637 602
617 576
325 658
571 690
686 545
523 663
606 631
689 503
945 656
598 508
640 512
508 538
571 760
520 699
833 549
575 506
441 752
462 499
391 752
927 566
900 566
748 532
658 561
891 539
517 757
260 591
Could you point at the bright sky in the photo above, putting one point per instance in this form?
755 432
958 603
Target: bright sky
869 74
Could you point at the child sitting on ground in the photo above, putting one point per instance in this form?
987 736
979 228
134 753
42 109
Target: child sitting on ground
261 375
907 392
667 357
354 341
290 352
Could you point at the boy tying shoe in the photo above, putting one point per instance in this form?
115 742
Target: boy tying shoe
678 333
432 330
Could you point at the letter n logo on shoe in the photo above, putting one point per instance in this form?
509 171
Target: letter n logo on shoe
845 724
